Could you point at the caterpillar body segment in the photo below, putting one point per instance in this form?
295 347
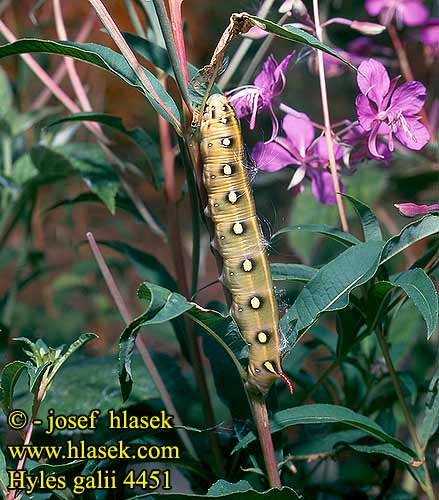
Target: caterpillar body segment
239 241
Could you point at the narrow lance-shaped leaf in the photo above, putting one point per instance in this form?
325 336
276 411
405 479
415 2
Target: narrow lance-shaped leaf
105 58
330 288
430 424
409 235
369 222
419 287
327 414
292 272
334 233
294 34
137 135
162 306
11 373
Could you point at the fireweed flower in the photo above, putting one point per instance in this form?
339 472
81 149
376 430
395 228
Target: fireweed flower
248 100
357 138
383 109
429 36
413 210
405 12
300 149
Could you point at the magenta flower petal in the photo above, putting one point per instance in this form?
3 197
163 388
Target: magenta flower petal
414 13
374 7
413 134
299 131
322 151
365 112
373 80
322 187
409 97
271 157
413 210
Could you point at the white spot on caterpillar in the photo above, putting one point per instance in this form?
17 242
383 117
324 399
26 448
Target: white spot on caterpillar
240 309
212 177
226 141
223 120
233 197
269 366
216 205
247 265
262 337
227 169
255 303
237 228
210 144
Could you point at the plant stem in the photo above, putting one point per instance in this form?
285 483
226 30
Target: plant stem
407 415
131 59
263 425
242 49
327 121
135 21
140 344
181 74
177 250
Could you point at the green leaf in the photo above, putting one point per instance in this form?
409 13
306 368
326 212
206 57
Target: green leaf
138 135
9 377
4 476
162 306
86 160
336 234
419 287
293 34
326 414
430 423
77 344
384 449
409 235
369 222
103 57
5 93
241 490
292 272
330 288
150 51
327 444
146 265
92 382
23 169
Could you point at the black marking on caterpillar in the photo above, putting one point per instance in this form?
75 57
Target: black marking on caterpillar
240 242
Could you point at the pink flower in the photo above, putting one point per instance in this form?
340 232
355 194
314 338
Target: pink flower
300 149
383 109
405 12
248 100
429 36
413 210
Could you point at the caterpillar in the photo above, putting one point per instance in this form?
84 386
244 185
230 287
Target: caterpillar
238 239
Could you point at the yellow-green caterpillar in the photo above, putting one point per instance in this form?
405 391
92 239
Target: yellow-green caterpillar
238 239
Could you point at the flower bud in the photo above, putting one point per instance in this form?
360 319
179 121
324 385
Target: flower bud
367 28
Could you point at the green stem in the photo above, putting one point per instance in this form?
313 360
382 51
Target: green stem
165 25
195 208
407 415
263 425
7 166
135 21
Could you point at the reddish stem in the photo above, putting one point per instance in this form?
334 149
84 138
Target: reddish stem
327 120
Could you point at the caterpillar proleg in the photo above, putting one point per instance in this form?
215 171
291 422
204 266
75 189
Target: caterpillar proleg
238 239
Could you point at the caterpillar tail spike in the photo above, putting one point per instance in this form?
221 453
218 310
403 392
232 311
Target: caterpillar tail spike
239 240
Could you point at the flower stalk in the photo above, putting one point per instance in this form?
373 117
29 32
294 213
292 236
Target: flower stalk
327 122
428 487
